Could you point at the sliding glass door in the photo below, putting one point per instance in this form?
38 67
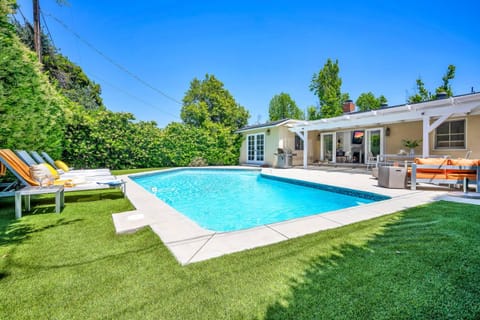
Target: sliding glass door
374 142
327 146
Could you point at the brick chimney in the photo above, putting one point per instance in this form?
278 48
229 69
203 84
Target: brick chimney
348 106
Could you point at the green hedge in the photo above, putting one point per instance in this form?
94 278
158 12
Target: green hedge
31 110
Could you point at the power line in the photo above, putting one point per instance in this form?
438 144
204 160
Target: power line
102 79
116 64
133 96
48 31
21 13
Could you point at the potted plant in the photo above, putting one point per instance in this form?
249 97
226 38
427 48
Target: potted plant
411 144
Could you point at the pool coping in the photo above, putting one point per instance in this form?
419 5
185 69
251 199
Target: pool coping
190 243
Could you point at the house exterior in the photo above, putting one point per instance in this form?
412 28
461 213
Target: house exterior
261 143
445 127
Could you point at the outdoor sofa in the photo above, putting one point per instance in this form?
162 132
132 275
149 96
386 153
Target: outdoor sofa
445 171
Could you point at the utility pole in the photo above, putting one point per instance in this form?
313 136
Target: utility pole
36 29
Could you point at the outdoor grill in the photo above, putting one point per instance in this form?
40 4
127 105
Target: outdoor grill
284 157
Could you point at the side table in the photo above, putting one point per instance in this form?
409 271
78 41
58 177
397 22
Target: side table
392 177
27 192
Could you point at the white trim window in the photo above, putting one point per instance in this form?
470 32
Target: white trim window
298 143
451 135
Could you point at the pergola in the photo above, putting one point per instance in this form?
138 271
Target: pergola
431 113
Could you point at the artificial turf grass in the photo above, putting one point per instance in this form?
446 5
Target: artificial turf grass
74 266
427 266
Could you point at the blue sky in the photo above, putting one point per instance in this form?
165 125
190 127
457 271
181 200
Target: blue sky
261 48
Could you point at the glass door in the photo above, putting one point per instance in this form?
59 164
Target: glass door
256 148
327 149
374 143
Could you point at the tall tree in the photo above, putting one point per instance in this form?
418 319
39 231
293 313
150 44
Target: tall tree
422 94
446 87
282 106
208 101
68 76
368 101
326 84
312 113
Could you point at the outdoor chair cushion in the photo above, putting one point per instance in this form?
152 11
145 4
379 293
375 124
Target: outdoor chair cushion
52 170
40 172
432 162
465 163
61 165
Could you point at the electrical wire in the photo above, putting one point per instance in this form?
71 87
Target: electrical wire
133 96
21 13
48 31
113 62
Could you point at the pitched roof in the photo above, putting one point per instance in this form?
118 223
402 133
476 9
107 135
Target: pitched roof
454 106
266 125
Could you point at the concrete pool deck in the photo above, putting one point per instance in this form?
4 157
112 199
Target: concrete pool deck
190 243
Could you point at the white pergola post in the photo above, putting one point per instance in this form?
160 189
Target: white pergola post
425 141
305 149
427 128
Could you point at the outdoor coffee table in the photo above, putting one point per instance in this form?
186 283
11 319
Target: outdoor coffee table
27 192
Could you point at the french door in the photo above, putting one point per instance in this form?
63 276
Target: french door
256 148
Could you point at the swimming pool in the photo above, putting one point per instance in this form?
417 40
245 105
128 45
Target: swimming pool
234 199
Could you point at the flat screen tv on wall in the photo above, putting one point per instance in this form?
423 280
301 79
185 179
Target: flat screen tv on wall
357 137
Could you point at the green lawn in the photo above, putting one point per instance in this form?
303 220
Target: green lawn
422 263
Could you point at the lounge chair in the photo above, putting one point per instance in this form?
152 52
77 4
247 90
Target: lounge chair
54 164
22 172
49 159
25 156
87 174
35 155
7 189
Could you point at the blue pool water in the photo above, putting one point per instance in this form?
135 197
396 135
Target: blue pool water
227 200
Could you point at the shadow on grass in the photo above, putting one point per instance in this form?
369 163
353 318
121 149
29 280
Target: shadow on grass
11 231
425 266
16 231
88 260
82 196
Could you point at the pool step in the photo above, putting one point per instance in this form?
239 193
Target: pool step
129 222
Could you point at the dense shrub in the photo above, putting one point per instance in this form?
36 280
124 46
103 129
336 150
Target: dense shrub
31 110
113 140
182 143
